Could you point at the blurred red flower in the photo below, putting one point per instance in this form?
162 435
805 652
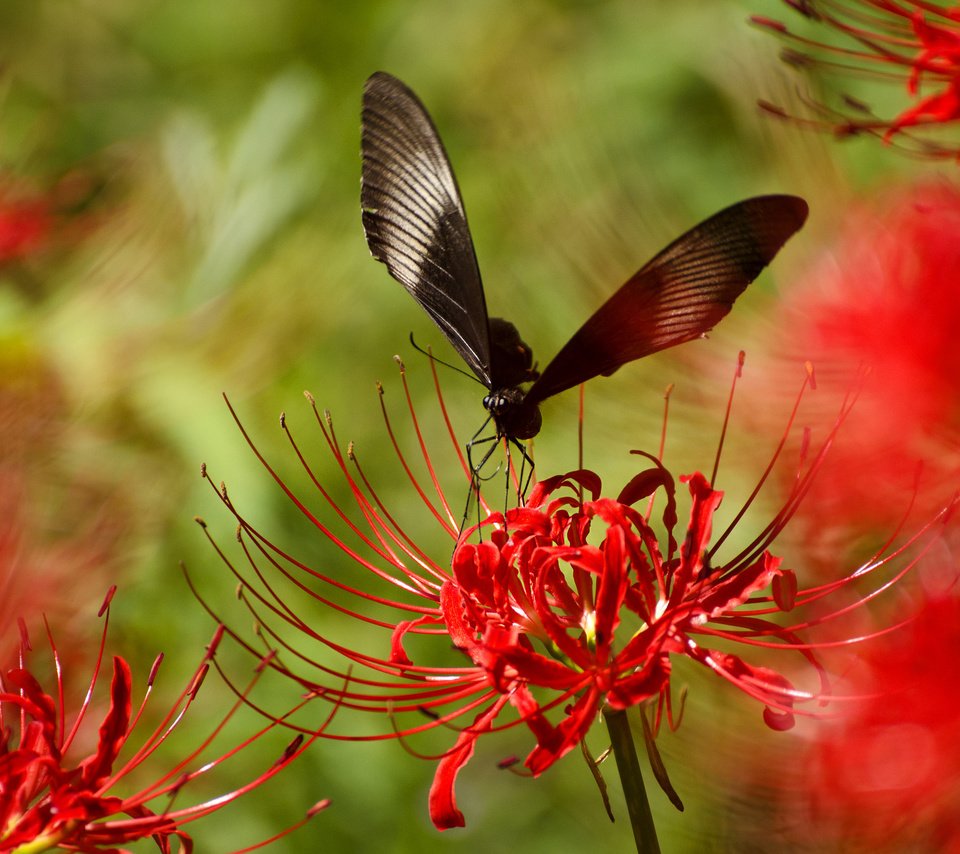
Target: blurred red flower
913 42
26 222
885 774
51 798
572 603
42 573
885 299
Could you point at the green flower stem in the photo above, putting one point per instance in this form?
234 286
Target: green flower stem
641 819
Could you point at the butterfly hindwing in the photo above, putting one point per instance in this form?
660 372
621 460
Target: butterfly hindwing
414 218
682 293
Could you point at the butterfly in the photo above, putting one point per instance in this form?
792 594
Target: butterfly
415 223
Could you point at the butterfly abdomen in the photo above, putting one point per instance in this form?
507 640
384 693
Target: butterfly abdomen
511 359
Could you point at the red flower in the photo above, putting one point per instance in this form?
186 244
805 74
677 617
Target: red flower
885 774
50 800
573 603
37 574
910 41
537 605
885 298
25 224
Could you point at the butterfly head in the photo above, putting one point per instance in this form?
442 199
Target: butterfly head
515 416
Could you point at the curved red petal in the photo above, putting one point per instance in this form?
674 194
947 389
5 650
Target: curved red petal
443 802
113 730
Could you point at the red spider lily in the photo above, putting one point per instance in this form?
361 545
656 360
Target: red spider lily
884 774
538 606
885 297
39 576
41 222
913 42
50 800
571 604
26 221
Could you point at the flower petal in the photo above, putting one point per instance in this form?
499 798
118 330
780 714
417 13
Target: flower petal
443 802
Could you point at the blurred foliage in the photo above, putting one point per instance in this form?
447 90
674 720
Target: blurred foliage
199 164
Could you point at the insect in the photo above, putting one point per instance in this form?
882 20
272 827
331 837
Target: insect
415 223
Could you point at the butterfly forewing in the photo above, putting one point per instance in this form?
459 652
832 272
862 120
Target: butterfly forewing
414 218
679 295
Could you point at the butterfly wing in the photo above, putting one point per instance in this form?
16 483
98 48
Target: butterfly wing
414 218
679 295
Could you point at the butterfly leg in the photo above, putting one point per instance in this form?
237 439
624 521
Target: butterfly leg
522 481
506 478
475 476
523 484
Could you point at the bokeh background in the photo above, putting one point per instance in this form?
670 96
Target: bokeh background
180 180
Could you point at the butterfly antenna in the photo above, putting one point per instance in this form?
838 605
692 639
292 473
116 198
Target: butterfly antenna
429 354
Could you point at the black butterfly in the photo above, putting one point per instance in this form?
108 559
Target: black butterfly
415 223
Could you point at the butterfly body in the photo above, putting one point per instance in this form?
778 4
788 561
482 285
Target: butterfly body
511 364
416 224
